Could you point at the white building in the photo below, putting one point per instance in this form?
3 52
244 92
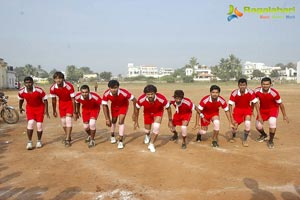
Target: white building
40 80
148 71
249 67
11 77
133 71
298 72
88 76
165 72
288 74
199 73
7 75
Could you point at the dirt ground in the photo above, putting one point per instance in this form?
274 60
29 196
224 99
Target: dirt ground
198 172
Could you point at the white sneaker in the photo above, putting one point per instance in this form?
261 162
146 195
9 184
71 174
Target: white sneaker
39 144
151 148
113 140
92 143
120 145
29 145
147 139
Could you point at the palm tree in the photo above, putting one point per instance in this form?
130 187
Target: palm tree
29 70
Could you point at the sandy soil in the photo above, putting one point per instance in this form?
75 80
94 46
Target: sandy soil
199 172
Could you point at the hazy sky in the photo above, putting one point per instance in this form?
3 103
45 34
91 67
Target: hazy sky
105 35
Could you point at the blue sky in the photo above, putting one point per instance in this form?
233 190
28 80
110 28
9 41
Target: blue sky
105 35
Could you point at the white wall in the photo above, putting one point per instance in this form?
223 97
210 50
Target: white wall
298 72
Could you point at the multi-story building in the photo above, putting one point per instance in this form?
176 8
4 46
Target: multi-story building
199 73
249 67
148 71
298 72
11 77
3 76
7 75
288 74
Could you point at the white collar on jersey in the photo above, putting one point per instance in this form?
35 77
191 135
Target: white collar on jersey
112 94
261 90
148 100
33 89
239 92
90 96
210 99
178 105
64 85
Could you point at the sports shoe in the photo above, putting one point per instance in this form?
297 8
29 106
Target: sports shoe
198 138
174 137
120 145
245 144
88 139
232 140
63 141
91 143
39 144
261 138
183 146
68 143
271 145
147 139
214 144
151 148
29 145
113 140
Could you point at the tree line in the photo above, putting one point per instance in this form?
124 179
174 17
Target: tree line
228 69
73 73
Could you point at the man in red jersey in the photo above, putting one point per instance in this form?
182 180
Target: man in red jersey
119 99
154 104
36 107
65 92
209 107
269 104
242 99
91 103
183 113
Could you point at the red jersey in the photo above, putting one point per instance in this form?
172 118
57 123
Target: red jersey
160 102
242 101
120 100
93 103
64 93
35 98
268 100
209 107
186 106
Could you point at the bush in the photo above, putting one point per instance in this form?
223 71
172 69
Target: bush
188 79
168 79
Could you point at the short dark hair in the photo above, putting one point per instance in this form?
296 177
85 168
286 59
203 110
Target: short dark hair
113 83
84 87
58 75
214 87
178 93
266 79
242 80
28 78
150 88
